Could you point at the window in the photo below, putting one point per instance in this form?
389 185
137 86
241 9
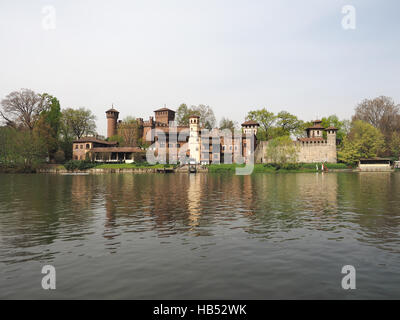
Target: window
87 146
76 146
230 147
81 146
223 148
162 145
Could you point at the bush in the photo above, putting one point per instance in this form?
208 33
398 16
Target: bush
59 156
78 165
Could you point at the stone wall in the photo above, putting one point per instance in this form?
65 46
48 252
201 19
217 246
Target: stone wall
317 152
308 152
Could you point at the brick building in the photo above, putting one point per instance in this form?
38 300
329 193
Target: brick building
163 136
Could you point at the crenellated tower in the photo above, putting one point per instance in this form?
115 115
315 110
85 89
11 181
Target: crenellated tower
112 118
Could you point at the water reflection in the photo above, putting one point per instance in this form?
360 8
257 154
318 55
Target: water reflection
37 211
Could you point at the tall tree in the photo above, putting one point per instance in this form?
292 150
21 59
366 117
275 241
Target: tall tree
343 126
282 150
226 123
363 141
395 145
47 126
22 108
129 131
77 123
182 115
289 123
206 114
266 120
381 112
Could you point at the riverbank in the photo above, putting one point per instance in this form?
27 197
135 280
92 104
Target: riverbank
213 168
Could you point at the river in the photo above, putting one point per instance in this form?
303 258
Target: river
204 236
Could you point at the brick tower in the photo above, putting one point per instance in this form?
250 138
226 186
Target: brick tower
112 118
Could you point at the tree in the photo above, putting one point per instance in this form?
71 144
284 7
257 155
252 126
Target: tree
289 124
265 118
77 123
22 108
395 145
333 121
382 113
182 115
282 150
129 131
363 141
206 114
225 123
47 126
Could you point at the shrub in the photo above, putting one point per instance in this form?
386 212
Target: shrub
78 165
59 156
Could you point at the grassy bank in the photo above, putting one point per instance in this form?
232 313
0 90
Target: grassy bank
271 168
132 166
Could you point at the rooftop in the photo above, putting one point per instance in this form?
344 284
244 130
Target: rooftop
250 123
164 109
112 110
95 140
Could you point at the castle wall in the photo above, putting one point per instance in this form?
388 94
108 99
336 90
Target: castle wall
316 152
307 152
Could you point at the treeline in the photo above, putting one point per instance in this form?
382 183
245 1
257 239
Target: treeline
36 130
373 131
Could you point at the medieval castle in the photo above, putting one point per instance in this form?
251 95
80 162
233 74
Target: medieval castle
203 150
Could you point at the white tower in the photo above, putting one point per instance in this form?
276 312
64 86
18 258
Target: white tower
250 127
194 138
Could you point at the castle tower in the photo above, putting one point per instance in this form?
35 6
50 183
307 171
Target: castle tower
316 131
112 118
331 136
194 138
250 127
164 115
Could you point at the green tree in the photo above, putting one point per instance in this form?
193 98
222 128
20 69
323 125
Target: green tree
282 150
289 124
395 145
74 124
333 121
266 120
226 123
206 114
182 115
77 123
48 125
363 141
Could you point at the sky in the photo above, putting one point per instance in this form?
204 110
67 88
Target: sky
234 56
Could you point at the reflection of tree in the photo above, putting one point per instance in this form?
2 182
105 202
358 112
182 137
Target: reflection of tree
285 202
372 198
36 212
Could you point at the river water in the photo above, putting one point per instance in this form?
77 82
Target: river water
204 236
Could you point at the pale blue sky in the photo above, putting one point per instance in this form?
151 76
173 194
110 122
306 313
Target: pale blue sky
232 55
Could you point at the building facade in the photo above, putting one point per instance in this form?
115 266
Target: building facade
314 148
164 137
